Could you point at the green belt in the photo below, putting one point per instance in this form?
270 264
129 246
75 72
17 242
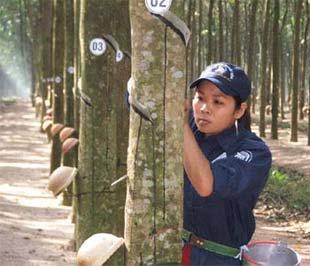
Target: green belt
208 245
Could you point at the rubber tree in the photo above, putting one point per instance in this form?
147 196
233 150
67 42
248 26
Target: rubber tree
221 31
76 109
283 60
100 207
275 70
153 212
210 52
304 60
34 17
68 158
262 95
77 68
235 37
294 117
250 53
46 36
57 86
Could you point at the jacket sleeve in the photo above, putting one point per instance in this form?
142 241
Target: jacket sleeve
242 172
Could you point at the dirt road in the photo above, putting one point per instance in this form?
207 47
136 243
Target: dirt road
34 228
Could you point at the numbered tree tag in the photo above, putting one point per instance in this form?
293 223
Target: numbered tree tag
119 55
70 69
158 6
58 79
97 46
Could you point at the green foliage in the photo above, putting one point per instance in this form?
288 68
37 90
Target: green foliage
12 60
287 190
8 100
9 30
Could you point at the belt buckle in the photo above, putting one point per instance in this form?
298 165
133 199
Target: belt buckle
196 241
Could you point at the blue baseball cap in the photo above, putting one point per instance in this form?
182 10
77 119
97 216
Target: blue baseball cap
230 79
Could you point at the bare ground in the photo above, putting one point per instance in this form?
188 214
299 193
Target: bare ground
293 157
35 228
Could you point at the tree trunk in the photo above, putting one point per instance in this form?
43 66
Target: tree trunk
236 44
189 48
304 64
283 62
309 111
100 207
200 38
35 42
46 31
276 71
57 59
250 50
122 71
262 123
221 32
153 216
193 41
210 51
77 70
68 158
228 33
76 94
23 32
294 122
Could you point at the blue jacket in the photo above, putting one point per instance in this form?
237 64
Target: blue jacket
240 165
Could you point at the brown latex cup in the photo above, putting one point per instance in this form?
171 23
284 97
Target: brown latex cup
61 178
47 124
47 117
66 133
49 112
69 144
56 129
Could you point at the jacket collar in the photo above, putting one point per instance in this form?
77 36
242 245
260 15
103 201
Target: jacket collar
229 139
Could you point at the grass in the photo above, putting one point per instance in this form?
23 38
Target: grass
8 100
288 190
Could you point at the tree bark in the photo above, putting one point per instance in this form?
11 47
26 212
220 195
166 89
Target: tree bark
250 52
57 59
46 39
100 207
262 125
68 158
221 32
210 51
236 44
153 216
276 71
200 38
294 117
304 63
283 62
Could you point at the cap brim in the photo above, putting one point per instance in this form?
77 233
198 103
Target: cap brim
216 81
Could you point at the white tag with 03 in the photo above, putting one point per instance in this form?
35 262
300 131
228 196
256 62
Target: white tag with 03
97 46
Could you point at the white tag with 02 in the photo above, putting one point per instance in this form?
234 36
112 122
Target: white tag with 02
158 6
